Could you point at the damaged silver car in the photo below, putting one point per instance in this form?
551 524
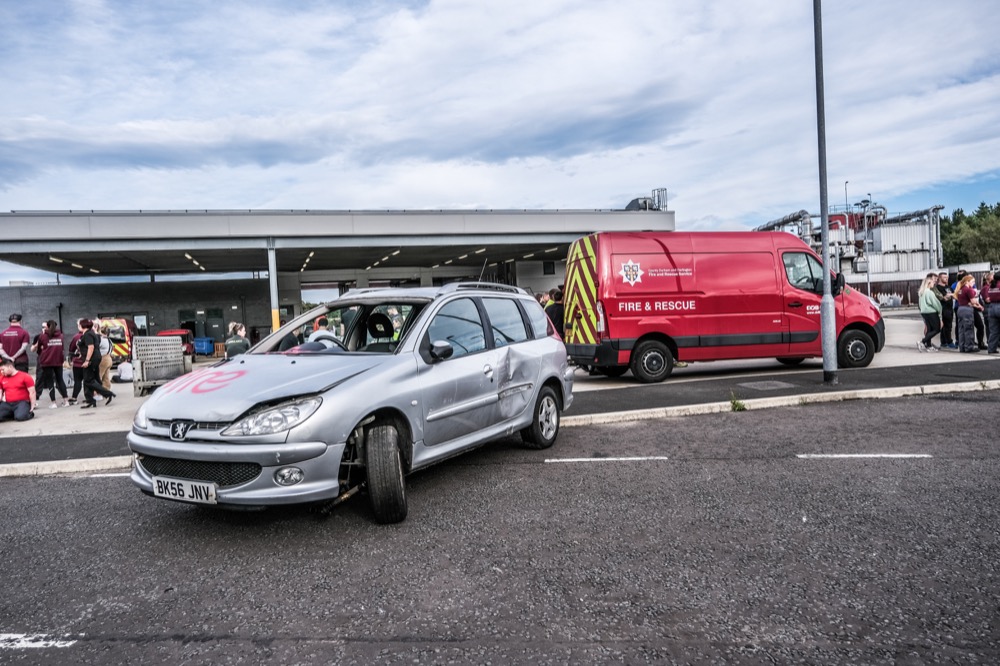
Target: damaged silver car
354 395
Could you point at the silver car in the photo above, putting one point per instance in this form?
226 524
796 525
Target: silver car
353 395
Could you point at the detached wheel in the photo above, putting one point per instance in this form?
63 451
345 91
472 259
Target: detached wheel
613 370
791 361
855 349
651 362
386 487
544 428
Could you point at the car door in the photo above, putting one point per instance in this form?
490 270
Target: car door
459 393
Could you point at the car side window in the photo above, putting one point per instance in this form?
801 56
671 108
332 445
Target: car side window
459 323
506 323
803 271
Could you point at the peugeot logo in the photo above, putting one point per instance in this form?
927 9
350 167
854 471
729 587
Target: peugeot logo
179 430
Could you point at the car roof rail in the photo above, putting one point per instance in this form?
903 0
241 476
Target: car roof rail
490 286
359 292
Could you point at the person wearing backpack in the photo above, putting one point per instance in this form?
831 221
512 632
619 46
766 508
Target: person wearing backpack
90 345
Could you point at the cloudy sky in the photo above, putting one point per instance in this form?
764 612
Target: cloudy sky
351 104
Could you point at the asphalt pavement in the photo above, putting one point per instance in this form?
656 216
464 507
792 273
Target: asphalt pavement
71 439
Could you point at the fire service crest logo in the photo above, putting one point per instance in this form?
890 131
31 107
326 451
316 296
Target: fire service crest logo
631 273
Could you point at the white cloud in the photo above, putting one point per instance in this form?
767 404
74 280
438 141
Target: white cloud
568 104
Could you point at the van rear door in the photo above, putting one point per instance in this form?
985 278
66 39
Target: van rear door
580 300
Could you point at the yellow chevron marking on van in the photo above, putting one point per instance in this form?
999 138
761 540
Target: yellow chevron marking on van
581 288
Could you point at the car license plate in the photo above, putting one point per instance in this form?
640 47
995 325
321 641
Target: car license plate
184 490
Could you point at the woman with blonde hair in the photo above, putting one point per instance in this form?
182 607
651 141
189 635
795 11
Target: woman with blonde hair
966 297
930 310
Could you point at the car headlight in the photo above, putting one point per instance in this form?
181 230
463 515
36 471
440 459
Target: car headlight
875 303
276 419
139 421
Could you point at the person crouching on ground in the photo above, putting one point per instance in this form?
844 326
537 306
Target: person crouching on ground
18 388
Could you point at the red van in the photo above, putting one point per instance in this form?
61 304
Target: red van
639 301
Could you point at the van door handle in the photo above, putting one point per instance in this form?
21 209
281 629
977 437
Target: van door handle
796 304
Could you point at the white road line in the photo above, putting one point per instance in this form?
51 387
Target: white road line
863 455
25 641
105 476
585 460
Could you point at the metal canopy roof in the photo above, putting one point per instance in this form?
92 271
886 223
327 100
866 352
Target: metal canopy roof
119 243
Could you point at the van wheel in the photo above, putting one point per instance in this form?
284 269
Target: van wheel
855 349
544 428
386 487
791 361
651 362
613 370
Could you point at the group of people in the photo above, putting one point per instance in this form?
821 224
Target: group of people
974 311
90 354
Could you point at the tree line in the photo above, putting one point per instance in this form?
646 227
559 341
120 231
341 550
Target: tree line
970 239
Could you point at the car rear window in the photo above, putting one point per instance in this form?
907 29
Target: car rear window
536 315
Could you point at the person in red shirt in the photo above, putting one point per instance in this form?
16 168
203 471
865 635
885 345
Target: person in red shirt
18 388
14 343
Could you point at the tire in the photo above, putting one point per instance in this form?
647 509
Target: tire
791 361
544 428
386 487
855 349
613 370
651 362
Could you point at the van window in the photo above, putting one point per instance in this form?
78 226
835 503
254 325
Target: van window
459 323
506 321
803 271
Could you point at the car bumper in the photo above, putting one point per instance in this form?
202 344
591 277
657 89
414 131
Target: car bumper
244 474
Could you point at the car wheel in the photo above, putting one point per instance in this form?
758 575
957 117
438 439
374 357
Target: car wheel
544 428
855 349
651 362
791 361
386 487
613 370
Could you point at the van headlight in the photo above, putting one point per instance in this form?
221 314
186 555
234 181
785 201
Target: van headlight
875 303
275 419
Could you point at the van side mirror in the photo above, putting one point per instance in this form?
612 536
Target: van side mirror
838 284
440 350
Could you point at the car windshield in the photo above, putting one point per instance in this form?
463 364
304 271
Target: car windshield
338 328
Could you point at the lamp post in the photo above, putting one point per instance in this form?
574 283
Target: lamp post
847 206
827 309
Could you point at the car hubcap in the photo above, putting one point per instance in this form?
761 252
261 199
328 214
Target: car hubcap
653 363
857 350
548 418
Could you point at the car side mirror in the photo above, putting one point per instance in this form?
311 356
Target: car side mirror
440 350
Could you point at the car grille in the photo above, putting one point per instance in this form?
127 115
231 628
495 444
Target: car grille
223 473
198 425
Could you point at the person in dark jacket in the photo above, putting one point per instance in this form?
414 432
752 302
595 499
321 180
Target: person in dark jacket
90 346
947 299
237 342
51 356
557 312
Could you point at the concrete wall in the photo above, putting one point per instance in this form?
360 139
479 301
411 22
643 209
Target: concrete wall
239 300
